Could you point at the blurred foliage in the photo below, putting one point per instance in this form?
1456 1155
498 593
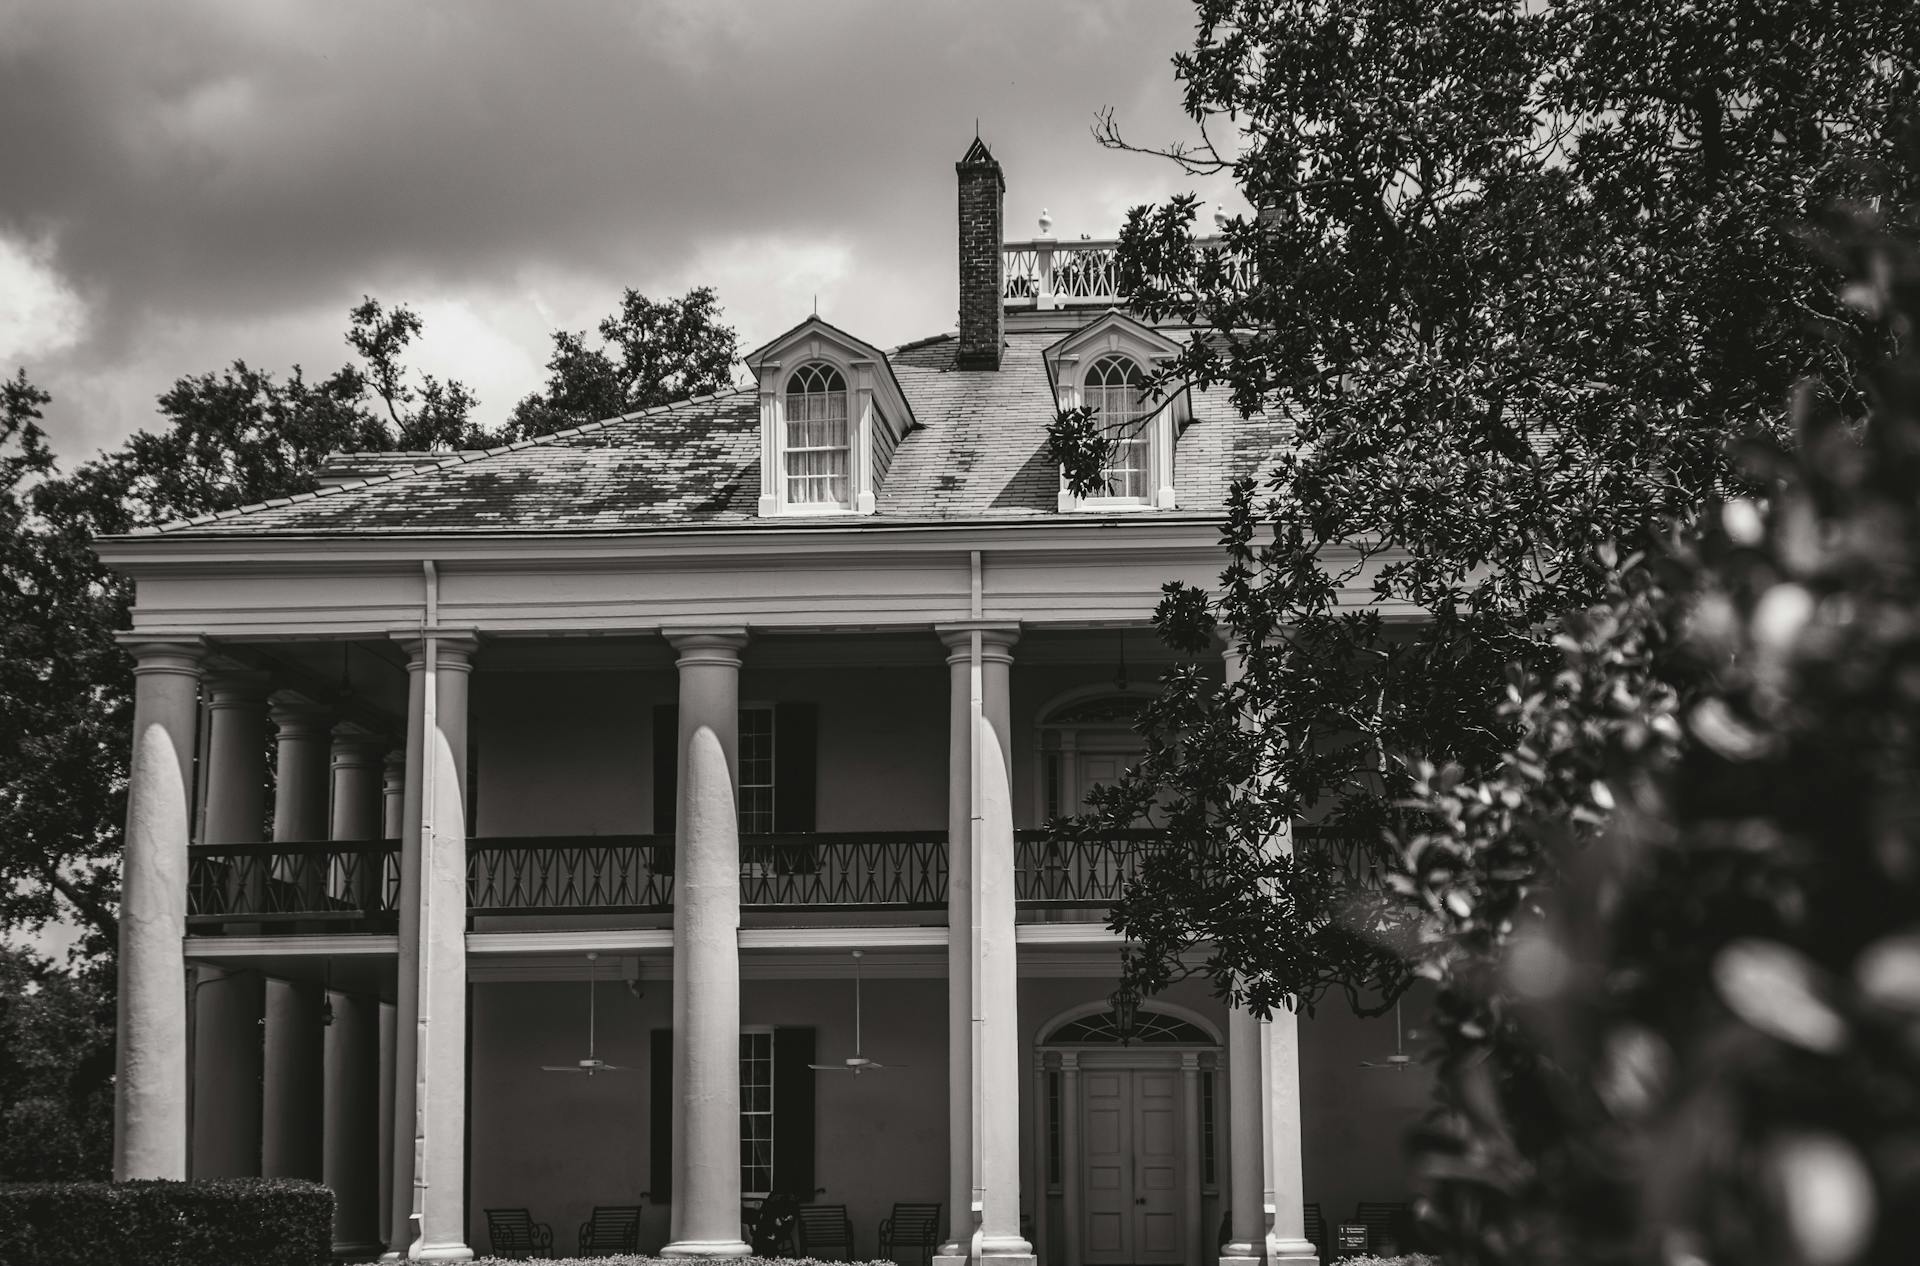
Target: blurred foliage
1722 985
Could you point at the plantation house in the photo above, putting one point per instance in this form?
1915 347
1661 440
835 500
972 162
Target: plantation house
656 721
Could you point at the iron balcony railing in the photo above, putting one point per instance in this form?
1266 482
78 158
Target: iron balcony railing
356 886
1045 273
331 884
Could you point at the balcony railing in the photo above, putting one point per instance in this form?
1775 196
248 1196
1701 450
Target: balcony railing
1045 273
273 884
1079 874
352 886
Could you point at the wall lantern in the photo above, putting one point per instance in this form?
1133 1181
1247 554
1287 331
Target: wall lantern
1125 1002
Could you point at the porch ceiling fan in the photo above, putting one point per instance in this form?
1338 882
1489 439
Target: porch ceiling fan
590 1065
1399 1061
855 1063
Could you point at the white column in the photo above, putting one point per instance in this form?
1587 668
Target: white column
384 1136
996 991
439 1065
228 1006
1246 1186
406 1013
1040 1153
1190 1093
1287 1242
705 1220
291 1113
1070 1156
150 1068
351 1140
960 965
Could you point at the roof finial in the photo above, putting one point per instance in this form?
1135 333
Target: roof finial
976 127
816 304
1046 222
1220 218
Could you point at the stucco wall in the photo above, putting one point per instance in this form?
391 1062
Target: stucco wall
559 1143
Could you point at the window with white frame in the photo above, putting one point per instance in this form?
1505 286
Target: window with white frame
756 1112
756 770
817 447
1115 386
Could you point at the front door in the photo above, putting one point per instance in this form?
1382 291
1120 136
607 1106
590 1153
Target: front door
1132 1167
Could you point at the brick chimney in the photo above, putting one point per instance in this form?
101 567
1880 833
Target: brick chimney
982 314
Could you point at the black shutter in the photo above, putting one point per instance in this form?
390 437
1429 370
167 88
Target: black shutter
666 766
793 1111
795 765
660 1118
666 783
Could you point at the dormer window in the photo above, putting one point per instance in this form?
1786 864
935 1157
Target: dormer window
1107 366
817 446
831 416
1116 387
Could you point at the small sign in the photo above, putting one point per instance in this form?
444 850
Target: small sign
1350 1238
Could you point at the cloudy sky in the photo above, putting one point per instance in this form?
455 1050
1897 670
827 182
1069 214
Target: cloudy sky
184 184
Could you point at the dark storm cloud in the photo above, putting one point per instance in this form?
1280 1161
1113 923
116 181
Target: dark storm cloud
220 159
215 180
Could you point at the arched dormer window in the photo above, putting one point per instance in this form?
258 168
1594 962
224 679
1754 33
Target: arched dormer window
1116 387
817 446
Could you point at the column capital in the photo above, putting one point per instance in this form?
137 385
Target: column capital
237 687
455 650
996 639
295 716
721 646
184 655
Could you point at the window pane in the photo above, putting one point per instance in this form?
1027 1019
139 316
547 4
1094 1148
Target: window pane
756 771
756 1112
817 443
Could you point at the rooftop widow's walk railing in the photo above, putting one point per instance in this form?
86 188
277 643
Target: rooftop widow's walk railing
1046 273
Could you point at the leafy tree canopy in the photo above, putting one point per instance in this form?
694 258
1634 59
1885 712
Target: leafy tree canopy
1520 274
650 353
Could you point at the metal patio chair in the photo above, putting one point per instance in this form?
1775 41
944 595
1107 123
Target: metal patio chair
514 1233
911 1226
613 1228
823 1227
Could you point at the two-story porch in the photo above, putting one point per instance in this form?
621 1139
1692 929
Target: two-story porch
849 771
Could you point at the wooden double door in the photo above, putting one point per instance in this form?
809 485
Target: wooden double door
1133 1167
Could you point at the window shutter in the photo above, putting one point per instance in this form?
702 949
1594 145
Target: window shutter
666 766
795 765
660 1118
793 1051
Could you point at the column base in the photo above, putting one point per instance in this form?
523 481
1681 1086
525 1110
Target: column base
441 1253
707 1248
1006 1250
1292 1252
952 1253
1229 1257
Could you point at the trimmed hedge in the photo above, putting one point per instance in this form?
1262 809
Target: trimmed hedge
216 1222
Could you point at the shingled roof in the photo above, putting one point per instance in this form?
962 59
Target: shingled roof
980 453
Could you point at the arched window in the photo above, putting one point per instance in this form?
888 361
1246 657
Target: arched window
817 453
1116 387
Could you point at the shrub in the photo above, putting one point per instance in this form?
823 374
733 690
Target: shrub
217 1222
1405 1259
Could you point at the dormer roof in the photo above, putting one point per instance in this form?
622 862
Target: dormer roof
814 338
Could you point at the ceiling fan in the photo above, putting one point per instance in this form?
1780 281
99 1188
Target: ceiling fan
589 1065
1399 1061
856 1063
